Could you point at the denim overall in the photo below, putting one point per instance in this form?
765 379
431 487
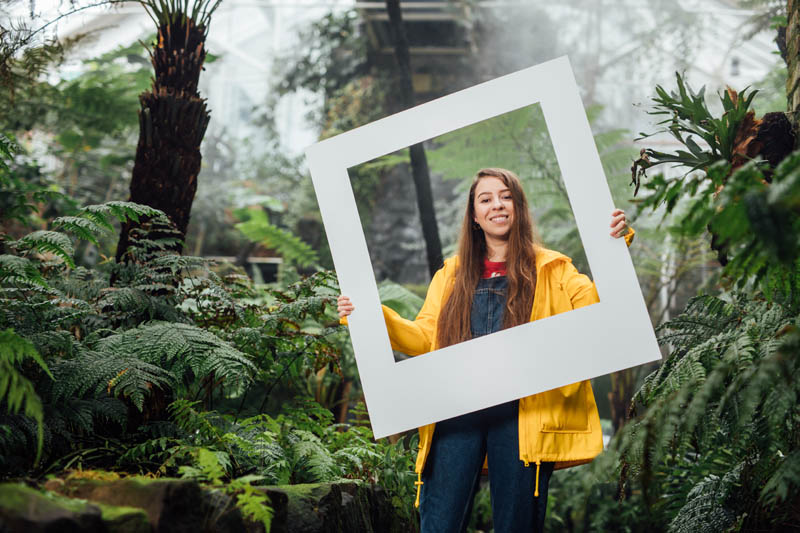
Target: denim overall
452 470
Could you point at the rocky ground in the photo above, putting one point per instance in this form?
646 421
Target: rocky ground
142 505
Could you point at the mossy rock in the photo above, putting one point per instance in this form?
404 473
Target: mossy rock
25 509
124 519
345 505
173 505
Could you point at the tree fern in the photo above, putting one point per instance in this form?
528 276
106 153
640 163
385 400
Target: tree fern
16 391
123 211
52 242
94 373
19 270
742 398
187 351
94 220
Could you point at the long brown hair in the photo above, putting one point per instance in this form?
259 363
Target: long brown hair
454 320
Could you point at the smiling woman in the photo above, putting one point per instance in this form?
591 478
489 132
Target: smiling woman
501 278
494 214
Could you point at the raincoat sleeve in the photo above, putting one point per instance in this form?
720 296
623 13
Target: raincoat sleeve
579 287
415 337
629 236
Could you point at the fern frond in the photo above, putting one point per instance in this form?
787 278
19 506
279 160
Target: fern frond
83 228
123 211
704 511
48 241
52 342
16 391
312 457
186 350
15 349
175 263
119 374
126 300
191 421
257 228
19 269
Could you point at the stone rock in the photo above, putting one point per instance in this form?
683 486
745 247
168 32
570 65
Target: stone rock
139 505
25 509
123 519
333 507
172 505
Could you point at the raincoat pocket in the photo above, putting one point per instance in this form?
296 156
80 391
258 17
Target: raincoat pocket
565 409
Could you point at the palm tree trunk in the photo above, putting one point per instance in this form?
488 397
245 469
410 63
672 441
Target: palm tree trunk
172 118
793 62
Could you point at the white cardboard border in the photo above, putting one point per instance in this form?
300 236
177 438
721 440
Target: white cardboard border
582 344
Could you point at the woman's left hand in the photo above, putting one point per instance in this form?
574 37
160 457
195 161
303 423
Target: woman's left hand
619 224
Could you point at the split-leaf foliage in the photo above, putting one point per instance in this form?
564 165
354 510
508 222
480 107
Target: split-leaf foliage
713 443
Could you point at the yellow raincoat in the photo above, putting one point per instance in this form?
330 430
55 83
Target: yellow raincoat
560 425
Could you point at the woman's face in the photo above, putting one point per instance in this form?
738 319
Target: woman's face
493 207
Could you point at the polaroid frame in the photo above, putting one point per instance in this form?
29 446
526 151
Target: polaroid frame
581 344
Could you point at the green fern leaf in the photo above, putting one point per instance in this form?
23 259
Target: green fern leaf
19 270
257 228
50 242
186 350
83 228
99 373
122 211
16 391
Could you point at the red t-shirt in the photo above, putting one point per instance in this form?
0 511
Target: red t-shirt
492 269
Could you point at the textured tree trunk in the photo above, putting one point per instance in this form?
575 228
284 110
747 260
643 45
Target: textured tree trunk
792 58
419 162
172 122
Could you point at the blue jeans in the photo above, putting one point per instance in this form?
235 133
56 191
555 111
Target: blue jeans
453 468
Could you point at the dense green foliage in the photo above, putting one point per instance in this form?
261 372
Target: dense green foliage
126 376
714 436
182 366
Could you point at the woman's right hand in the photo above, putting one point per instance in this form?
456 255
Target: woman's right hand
344 306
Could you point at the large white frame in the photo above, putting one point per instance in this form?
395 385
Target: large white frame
513 363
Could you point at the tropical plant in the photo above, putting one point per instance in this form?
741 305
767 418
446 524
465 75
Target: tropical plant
255 225
720 430
300 445
749 208
713 441
728 137
173 118
16 391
